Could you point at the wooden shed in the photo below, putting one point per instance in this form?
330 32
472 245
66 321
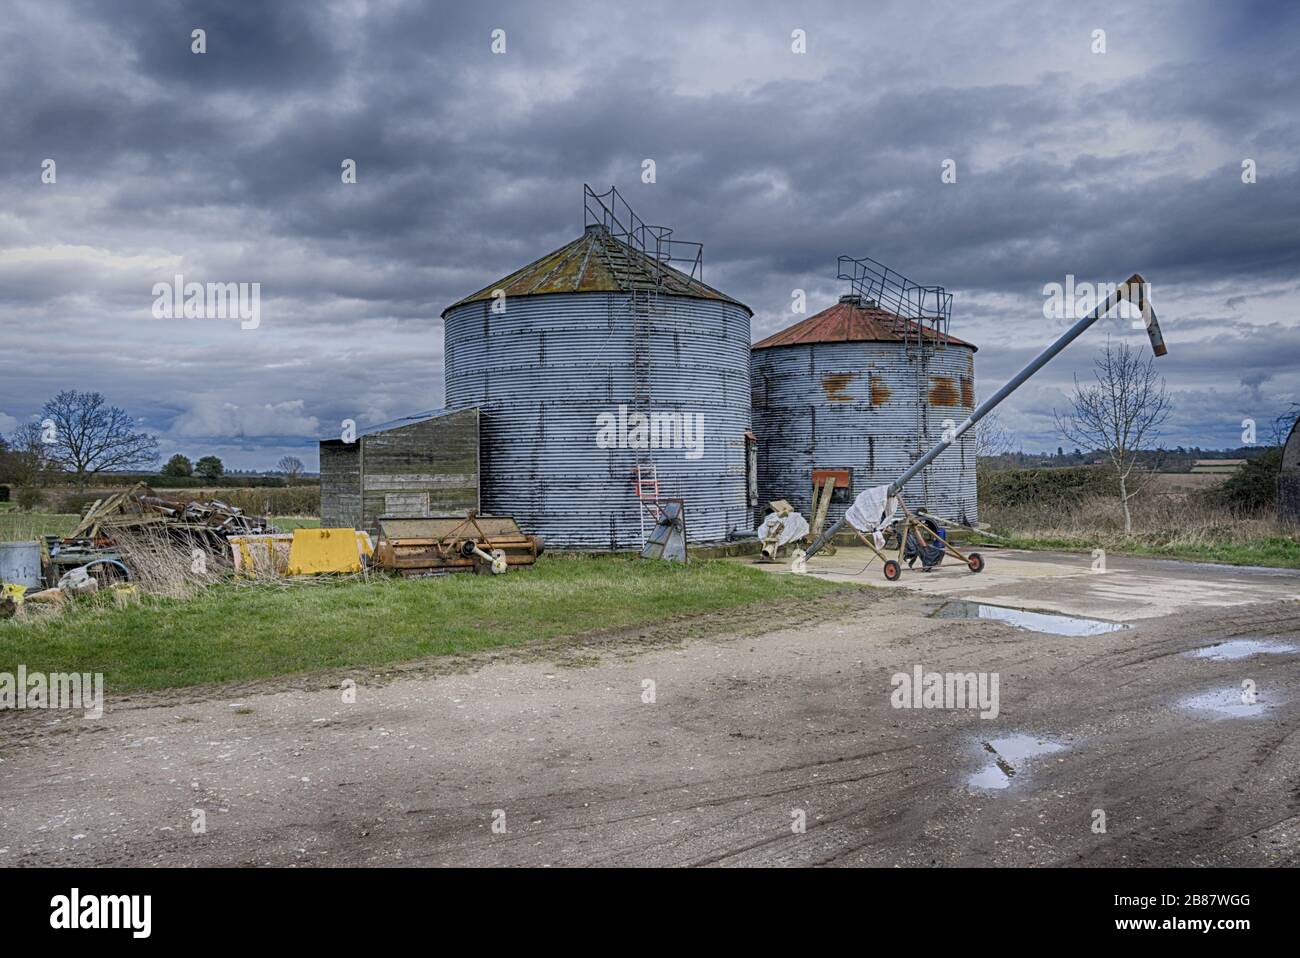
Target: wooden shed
423 465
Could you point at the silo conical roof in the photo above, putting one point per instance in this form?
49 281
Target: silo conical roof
850 321
596 262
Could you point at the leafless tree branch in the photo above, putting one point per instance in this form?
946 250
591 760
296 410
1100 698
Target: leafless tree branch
1119 413
91 436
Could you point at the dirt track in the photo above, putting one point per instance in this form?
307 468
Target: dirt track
745 730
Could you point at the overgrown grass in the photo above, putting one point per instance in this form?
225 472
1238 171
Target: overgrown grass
236 632
1170 526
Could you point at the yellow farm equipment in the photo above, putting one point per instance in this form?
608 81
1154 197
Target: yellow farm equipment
304 552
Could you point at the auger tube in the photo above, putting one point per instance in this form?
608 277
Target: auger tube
1132 289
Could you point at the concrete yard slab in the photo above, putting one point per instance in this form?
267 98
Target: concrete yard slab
1128 588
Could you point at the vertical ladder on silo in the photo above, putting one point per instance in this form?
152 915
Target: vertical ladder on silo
644 302
641 271
647 474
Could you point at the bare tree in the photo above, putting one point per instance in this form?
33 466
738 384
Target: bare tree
24 460
992 438
291 466
1117 413
86 436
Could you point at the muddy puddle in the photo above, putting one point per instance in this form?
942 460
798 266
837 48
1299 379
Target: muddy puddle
1047 622
1232 702
1234 649
1008 757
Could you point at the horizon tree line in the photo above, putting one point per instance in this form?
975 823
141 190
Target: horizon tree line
80 435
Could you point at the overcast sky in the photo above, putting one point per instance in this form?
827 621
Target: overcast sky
226 167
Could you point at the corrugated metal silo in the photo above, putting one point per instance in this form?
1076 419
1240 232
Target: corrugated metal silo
603 326
1288 480
860 388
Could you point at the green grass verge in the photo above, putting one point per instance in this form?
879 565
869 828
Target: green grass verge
1276 552
289 523
233 632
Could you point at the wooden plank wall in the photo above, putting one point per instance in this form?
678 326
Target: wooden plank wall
438 457
340 485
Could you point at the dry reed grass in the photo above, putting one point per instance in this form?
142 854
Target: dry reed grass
164 565
1159 520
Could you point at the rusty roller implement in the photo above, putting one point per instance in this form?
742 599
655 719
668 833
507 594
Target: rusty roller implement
474 543
1134 289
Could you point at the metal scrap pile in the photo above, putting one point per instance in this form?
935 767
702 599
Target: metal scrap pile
95 541
138 508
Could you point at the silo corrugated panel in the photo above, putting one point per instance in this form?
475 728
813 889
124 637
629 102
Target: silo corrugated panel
857 405
544 369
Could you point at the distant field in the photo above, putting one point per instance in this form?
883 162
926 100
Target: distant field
289 523
16 526
1182 482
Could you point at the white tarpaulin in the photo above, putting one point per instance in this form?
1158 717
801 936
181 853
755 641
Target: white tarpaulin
794 526
871 509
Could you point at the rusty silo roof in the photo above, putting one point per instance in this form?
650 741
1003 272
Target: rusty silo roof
849 322
595 262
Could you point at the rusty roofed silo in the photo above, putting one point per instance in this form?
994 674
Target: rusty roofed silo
863 389
600 365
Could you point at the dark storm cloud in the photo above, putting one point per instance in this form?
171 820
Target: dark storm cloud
225 167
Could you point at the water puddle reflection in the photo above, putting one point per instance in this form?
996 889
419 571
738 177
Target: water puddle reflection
1008 755
1048 622
1235 649
1229 703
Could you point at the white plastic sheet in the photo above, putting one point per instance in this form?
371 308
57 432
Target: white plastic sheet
872 509
793 526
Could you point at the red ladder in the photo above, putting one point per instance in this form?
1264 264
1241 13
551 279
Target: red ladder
647 494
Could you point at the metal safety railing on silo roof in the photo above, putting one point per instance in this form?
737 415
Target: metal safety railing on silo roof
920 309
611 211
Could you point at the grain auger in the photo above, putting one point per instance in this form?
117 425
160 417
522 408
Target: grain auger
882 508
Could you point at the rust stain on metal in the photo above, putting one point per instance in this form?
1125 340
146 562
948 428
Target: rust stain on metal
943 391
967 392
836 385
879 391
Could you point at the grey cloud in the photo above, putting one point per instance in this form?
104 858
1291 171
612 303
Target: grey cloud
227 165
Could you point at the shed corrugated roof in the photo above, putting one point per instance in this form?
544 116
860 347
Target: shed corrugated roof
394 424
847 322
595 262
